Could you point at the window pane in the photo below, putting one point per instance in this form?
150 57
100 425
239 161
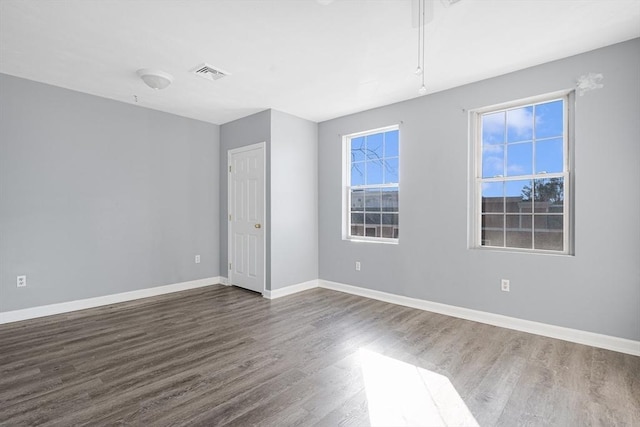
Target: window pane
357 149
391 144
372 222
357 200
374 146
357 219
357 230
389 219
519 222
391 171
492 160
493 221
389 232
371 231
549 119
493 197
520 124
390 200
518 196
548 232
374 172
357 173
520 159
519 239
549 195
493 230
390 225
549 157
548 222
493 126
373 201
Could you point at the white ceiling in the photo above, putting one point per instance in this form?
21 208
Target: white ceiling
311 60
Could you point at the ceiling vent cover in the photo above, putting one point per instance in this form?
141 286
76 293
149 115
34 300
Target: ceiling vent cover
209 72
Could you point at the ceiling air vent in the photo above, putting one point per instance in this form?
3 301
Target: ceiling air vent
208 72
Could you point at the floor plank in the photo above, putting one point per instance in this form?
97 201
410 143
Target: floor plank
223 356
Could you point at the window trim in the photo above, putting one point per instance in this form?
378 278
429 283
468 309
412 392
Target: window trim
346 186
476 180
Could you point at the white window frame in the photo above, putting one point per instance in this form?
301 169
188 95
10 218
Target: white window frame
476 180
346 186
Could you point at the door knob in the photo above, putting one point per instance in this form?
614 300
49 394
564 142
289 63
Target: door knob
257 226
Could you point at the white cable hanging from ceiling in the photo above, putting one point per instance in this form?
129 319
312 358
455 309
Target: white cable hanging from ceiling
421 29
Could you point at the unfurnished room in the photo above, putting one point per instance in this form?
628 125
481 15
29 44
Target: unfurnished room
320 212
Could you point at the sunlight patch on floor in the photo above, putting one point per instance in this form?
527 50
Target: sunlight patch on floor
401 394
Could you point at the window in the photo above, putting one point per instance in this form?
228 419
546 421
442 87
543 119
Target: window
371 161
522 176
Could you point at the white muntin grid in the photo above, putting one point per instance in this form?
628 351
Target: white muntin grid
565 175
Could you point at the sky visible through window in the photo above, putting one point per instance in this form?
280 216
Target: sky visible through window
374 159
521 141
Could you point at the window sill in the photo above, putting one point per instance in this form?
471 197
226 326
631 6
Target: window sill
521 251
379 241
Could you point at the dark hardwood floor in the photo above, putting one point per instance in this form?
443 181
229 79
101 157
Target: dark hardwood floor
223 356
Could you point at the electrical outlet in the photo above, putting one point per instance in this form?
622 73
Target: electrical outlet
504 285
357 265
197 259
22 281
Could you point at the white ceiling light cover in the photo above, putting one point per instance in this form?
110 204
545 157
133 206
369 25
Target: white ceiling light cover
155 79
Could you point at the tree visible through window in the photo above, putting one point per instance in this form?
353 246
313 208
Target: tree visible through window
371 172
522 177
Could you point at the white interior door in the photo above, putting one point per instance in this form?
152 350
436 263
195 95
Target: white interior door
246 217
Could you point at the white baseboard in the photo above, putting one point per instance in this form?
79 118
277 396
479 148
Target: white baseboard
66 307
288 290
608 342
224 280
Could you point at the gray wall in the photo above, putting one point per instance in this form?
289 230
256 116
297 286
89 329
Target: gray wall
239 133
596 290
294 200
99 197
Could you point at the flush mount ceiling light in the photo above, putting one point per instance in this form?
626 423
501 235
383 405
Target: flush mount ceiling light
155 79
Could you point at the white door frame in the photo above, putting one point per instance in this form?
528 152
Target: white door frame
230 153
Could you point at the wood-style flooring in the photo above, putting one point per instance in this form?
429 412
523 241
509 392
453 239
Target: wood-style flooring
224 356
